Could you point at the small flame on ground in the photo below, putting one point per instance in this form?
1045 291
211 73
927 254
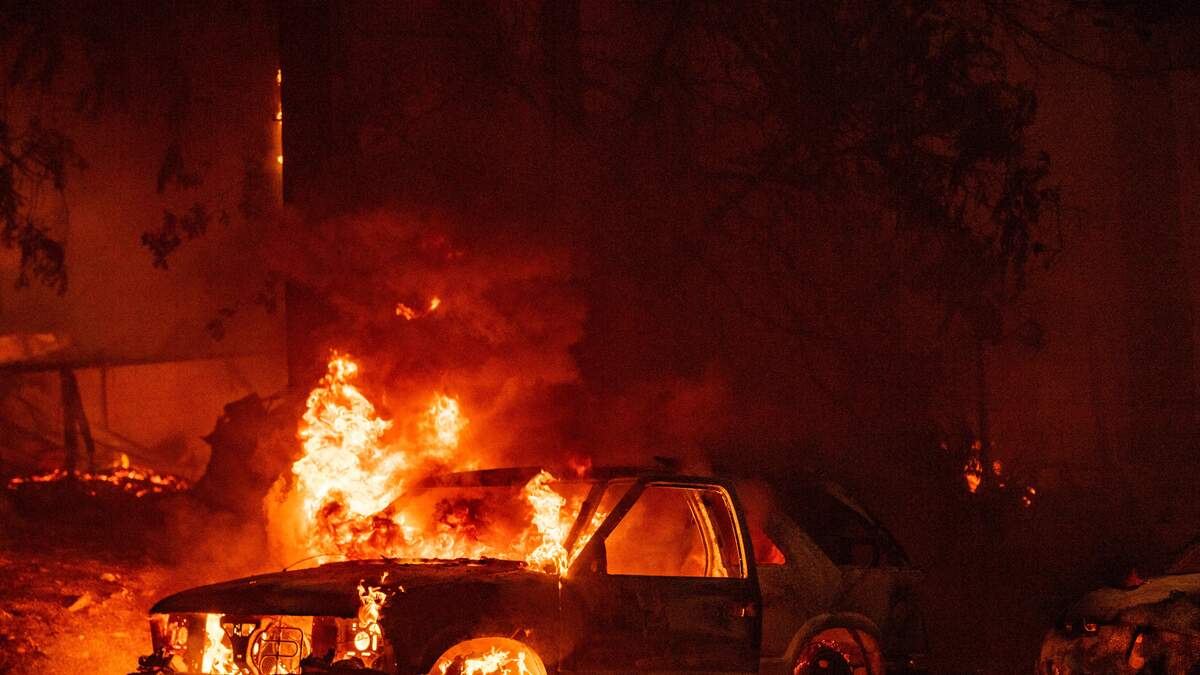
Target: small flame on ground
131 481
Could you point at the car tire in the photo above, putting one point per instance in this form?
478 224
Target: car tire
519 658
824 661
839 651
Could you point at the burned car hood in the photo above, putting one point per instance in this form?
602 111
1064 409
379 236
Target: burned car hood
1169 602
331 590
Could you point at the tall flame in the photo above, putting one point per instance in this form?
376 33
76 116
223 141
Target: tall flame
344 459
551 528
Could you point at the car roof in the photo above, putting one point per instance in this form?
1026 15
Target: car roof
517 476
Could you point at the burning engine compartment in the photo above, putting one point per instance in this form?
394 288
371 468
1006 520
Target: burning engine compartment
230 643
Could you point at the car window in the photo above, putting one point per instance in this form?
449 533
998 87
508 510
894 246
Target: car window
757 501
613 492
842 533
674 531
1188 562
844 536
766 551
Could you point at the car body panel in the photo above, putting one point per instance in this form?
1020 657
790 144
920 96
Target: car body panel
870 587
590 621
657 623
1125 630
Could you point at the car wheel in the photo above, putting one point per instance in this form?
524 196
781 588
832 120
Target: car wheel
824 660
489 656
839 651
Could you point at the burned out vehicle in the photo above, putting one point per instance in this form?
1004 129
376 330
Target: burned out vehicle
1136 626
669 573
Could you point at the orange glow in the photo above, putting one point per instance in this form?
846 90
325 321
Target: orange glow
442 426
581 466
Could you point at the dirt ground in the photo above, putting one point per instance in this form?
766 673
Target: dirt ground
71 611
75 585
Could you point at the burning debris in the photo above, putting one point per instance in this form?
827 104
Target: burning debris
117 480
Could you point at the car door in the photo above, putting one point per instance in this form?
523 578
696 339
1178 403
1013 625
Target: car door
667 584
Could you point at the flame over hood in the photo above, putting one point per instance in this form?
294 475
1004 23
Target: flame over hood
343 496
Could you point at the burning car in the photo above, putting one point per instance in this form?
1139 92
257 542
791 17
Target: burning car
1137 626
655 572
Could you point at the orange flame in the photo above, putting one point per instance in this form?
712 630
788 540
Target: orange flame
552 530
217 657
371 600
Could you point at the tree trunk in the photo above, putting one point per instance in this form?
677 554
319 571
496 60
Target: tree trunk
306 53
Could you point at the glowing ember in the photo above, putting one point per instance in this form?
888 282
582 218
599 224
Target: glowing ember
218 657
409 313
973 474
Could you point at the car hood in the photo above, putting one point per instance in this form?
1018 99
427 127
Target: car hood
331 590
1168 603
